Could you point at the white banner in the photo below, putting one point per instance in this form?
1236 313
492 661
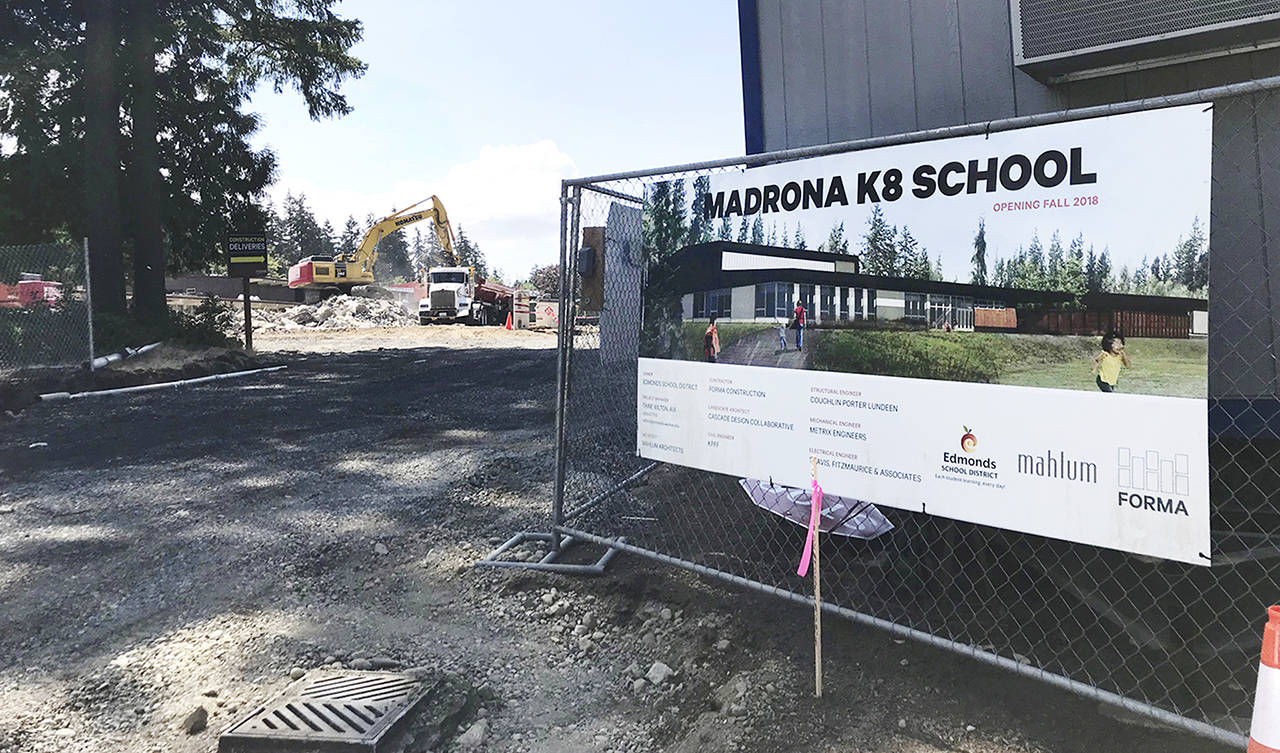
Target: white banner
1129 474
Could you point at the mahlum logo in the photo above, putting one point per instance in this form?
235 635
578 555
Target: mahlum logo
1057 466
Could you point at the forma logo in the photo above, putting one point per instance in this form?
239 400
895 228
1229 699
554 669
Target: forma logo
1156 483
968 442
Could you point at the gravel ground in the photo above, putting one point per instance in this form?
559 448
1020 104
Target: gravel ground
182 549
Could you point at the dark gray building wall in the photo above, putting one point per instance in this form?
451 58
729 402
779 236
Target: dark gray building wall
836 70
839 70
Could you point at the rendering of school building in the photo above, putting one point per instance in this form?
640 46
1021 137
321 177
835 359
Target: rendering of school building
739 282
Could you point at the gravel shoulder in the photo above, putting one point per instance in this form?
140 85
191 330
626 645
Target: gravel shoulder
169 550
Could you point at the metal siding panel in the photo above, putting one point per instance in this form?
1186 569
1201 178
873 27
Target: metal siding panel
1202 74
1240 363
1156 82
804 81
844 42
749 50
890 67
935 30
772 87
1096 91
1268 125
1034 97
986 48
1266 63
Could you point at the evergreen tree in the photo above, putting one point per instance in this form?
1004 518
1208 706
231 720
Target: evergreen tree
878 247
303 234
800 242
744 231
785 240
418 253
699 224
393 258
1138 281
1055 279
1106 281
1125 283
1187 258
663 222
757 231
1033 275
772 239
979 260
350 238
327 238
911 261
129 117
725 230
470 255
836 242
1073 279
1091 272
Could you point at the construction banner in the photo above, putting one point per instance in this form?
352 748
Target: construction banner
1008 329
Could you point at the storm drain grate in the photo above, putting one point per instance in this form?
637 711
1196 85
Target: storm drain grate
327 711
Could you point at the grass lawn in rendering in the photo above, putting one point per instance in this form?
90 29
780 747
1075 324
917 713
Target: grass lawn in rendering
1160 366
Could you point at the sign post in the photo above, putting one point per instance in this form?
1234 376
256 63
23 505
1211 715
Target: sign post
247 256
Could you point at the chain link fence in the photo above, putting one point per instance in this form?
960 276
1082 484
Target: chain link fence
44 307
1161 638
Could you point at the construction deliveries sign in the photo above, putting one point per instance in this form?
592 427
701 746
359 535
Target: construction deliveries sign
246 254
1022 342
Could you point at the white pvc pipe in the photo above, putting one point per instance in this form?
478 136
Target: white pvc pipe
101 361
53 396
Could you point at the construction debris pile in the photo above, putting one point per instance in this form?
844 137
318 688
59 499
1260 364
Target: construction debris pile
338 312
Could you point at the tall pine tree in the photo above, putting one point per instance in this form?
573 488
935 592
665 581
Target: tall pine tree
979 258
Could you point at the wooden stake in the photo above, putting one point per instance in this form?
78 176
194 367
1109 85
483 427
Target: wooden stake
817 595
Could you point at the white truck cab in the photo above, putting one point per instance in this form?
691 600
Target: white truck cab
449 295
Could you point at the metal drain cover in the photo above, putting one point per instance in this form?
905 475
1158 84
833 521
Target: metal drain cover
327 712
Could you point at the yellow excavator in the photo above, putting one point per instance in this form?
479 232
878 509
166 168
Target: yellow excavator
343 272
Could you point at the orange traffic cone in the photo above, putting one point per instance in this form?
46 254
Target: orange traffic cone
508 320
1264 731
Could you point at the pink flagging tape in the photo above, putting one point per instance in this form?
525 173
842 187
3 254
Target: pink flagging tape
815 515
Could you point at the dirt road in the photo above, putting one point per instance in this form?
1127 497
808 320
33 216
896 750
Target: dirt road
176 549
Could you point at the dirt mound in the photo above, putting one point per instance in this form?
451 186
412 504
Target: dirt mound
336 313
166 363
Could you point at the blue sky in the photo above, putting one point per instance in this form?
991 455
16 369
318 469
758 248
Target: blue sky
490 103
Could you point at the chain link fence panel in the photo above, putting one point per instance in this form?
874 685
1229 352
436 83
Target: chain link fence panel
1165 639
44 307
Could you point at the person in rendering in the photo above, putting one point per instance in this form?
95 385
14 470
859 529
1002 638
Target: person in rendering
798 320
782 335
1107 364
711 341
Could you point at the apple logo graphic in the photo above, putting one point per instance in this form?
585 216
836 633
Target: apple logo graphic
968 442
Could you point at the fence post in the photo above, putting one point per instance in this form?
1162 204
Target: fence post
88 300
562 377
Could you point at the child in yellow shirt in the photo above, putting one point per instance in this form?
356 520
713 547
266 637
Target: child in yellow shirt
1107 364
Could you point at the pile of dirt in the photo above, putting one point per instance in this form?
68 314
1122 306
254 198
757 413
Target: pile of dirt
336 313
166 363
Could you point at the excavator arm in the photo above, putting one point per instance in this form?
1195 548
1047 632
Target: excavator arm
367 254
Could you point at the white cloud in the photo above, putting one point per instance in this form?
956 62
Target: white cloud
507 199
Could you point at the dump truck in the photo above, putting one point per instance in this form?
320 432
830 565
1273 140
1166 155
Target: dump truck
456 295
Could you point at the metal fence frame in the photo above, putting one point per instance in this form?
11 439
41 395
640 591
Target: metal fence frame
72 338
568 522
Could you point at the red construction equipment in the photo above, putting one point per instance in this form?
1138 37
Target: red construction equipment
1264 732
30 291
